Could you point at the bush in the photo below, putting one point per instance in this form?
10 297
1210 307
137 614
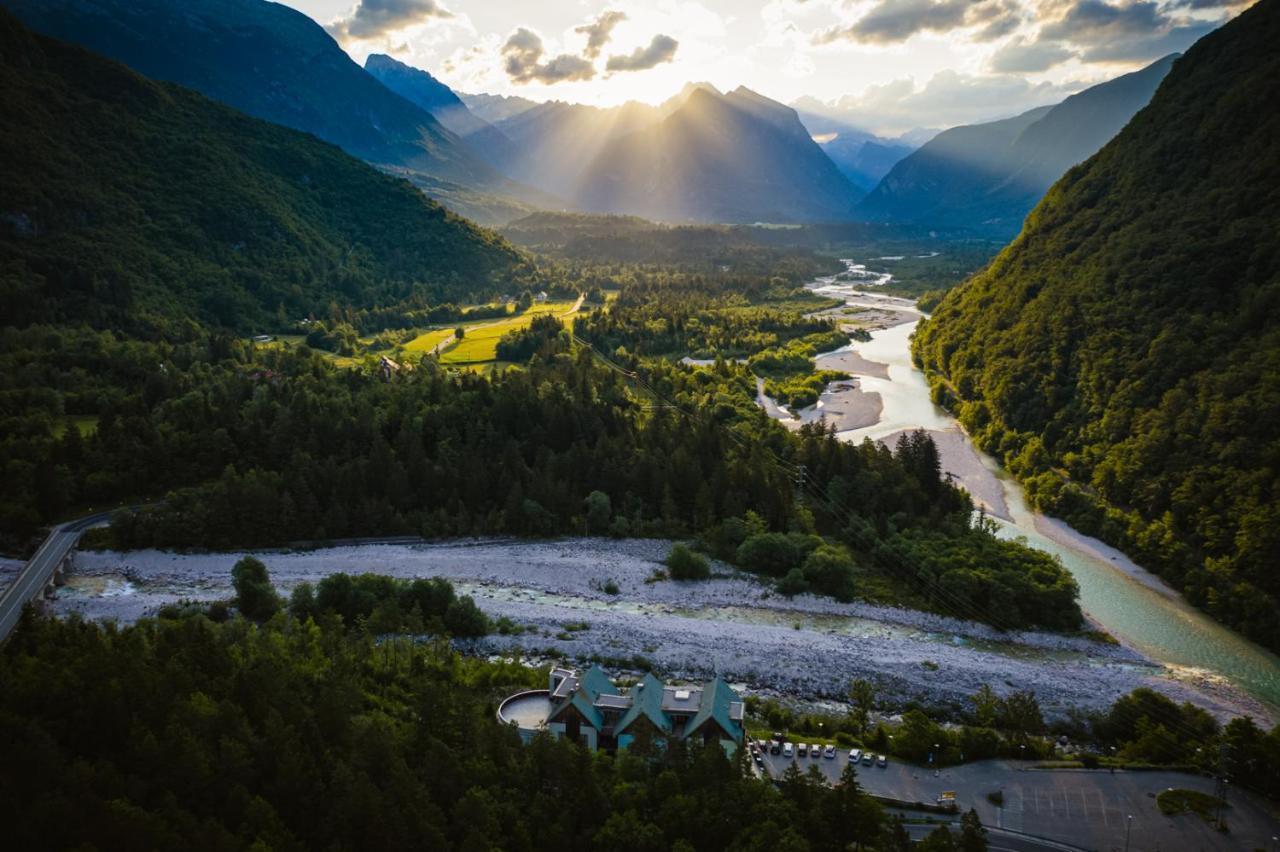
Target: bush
830 570
793 584
255 595
769 553
686 564
464 619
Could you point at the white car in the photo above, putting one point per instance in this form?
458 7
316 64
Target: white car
855 755
787 750
829 752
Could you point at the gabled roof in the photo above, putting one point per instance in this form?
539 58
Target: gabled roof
596 682
646 700
719 703
583 693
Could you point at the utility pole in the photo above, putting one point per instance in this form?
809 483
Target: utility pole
1128 829
1220 785
801 473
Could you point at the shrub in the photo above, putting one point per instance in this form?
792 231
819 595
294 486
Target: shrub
686 564
255 595
769 553
793 584
464 619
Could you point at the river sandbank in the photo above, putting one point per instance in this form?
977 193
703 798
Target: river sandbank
733 625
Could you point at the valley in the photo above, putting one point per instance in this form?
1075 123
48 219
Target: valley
811 427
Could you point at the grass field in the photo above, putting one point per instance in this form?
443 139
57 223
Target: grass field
86 424
481 340
427 341
1172 802
477 348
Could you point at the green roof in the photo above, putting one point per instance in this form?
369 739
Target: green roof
646 700
597 683
716 698
593 683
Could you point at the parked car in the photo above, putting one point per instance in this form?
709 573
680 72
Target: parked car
779 736
829 752
776 747
787 750
855 755
802 750
868 758
882 761
815 750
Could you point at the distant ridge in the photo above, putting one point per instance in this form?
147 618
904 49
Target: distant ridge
989 176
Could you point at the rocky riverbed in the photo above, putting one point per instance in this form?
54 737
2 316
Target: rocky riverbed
733 625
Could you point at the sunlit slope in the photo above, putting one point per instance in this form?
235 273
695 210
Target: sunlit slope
1123 355
721 158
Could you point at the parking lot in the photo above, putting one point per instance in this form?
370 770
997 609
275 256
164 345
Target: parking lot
1089 809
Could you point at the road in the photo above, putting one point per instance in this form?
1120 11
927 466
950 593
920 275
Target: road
35 576
1088 809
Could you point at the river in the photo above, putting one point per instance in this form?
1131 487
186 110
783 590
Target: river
1129 603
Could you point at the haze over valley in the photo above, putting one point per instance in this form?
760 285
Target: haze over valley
656 425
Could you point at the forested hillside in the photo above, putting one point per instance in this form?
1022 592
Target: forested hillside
1123 355
134 204
267 60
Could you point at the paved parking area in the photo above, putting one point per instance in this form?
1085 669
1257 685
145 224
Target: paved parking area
1090 809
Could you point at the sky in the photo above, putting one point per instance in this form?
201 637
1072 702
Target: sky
891 65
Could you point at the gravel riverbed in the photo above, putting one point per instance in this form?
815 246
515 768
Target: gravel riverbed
807 647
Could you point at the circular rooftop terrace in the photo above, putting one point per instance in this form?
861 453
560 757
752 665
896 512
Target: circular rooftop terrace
529 710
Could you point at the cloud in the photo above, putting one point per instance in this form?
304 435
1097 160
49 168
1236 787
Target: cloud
947 99
1021 56
522 59
1134 32
661 49
893 21
375 18
599 31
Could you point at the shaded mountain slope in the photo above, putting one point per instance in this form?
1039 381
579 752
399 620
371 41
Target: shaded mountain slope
135 204
989 176
1123 355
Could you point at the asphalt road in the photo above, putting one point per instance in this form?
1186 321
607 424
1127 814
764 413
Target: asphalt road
1087 809
33 578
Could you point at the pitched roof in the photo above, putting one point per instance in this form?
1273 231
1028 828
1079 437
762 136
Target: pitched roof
719 703
646 700
583 693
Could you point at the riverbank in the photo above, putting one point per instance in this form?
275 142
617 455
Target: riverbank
1126 601
805 647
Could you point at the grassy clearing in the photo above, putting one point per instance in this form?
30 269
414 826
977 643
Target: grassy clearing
86 424
428 341
481 340
1173 802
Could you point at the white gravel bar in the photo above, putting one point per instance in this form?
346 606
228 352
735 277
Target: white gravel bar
734 625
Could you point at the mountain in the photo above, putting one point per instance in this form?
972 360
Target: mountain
738 157
265 59
275 63
420 88
495 108
138 205
989 176
555 140
1123 354
862 157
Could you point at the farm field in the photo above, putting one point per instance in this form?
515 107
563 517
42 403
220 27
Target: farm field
481 340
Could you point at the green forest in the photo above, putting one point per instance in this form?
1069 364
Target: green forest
147 208
1123 355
